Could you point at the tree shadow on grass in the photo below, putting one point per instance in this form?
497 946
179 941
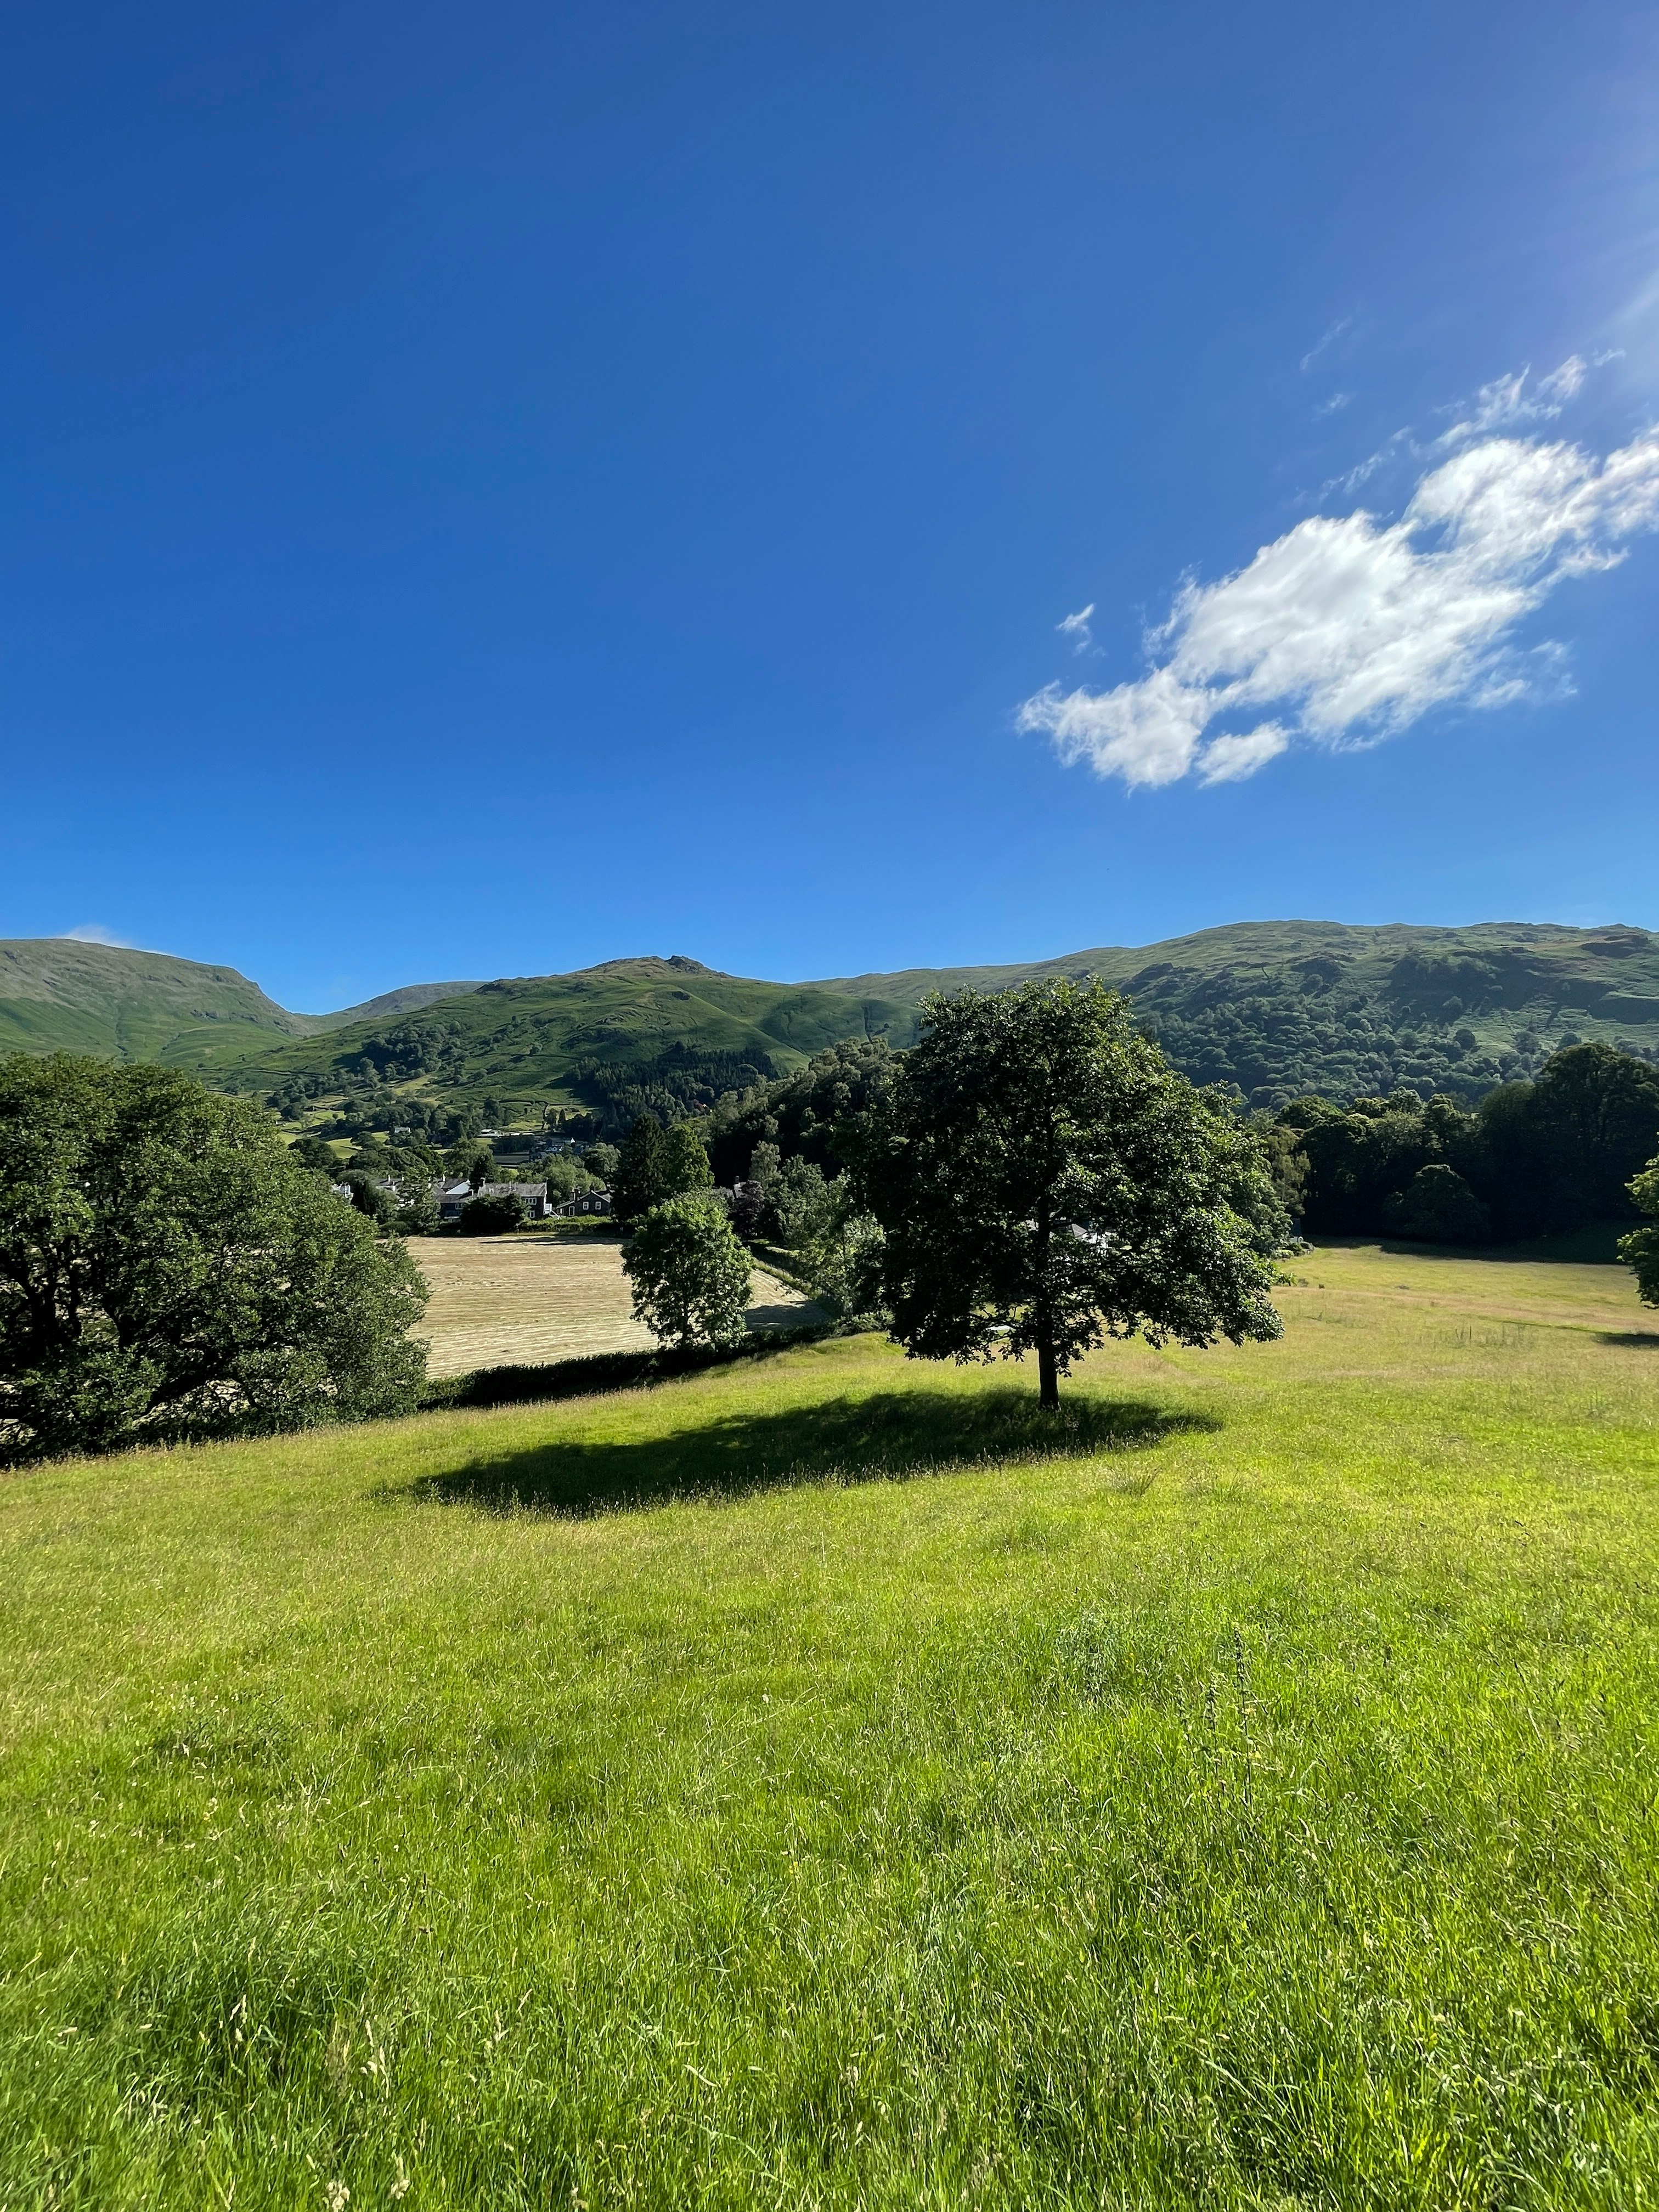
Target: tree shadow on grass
1633 1340
888 1435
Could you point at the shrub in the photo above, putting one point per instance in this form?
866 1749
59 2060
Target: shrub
1438 1207
495 1216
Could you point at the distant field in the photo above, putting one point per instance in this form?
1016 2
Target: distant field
504 1301
826 1783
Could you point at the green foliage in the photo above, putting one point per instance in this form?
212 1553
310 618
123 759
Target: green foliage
370 1198
495 1215
564 1175
1043 1180
1438 1207
1641 1248
311 1153
640 1181
169 1271
799 1115
684 1161
689 1275
472 1159
1539 1158
799 1200
838 1246
655 1166
602 1162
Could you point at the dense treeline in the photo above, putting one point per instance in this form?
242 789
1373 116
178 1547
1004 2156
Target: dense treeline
1531 1160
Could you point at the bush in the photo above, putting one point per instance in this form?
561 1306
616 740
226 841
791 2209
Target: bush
689 1274
1438 1207
169 1271
492 1217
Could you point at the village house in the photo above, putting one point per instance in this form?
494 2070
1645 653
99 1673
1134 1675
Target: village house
450 1198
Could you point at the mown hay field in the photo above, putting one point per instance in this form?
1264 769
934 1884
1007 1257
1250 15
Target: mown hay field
523 1301
825 1782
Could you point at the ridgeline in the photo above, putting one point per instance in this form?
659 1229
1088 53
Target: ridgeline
1276 1009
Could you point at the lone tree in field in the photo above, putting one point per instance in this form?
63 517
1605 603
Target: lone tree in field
1044 1179
169 1270
689 1273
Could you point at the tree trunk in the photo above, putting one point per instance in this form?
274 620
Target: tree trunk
1047 1377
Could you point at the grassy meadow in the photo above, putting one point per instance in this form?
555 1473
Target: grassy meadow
823 1783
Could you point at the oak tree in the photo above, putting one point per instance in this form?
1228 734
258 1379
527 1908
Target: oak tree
1044 1179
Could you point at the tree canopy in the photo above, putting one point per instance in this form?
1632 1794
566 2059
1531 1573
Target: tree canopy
689 1274
1535 1156
1043 1180
169 1270
657 1164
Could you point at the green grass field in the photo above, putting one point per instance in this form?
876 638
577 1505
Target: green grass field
820 1782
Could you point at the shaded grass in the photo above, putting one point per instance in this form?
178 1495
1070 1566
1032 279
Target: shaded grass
892 1433
594 1373
1249 1802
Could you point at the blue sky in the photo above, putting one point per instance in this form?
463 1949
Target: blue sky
490 492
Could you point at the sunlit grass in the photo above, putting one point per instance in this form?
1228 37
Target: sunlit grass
823 1782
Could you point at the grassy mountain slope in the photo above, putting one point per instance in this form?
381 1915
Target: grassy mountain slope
1282 1007
57 993
408 1000
1276 1008
524 1041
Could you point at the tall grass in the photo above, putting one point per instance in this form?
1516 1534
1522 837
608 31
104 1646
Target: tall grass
822 1782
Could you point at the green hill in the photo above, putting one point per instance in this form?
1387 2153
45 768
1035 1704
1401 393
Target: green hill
1275 1008
57 994
1280 1008
668 1032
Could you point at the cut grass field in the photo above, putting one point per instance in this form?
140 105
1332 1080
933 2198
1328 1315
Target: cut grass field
825 1782
512 1301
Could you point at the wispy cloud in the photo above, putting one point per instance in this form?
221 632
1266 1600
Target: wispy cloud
1335 404
1348 629
1505 403
94 933
1322 346
1076 627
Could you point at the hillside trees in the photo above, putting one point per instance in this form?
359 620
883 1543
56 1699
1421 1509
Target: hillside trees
1043 1179
169 1270
801 1113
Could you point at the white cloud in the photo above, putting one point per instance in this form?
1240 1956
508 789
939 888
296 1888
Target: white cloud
1335 404
94 933
1322 346
1076 626
1348 629
1505 401
1229 760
